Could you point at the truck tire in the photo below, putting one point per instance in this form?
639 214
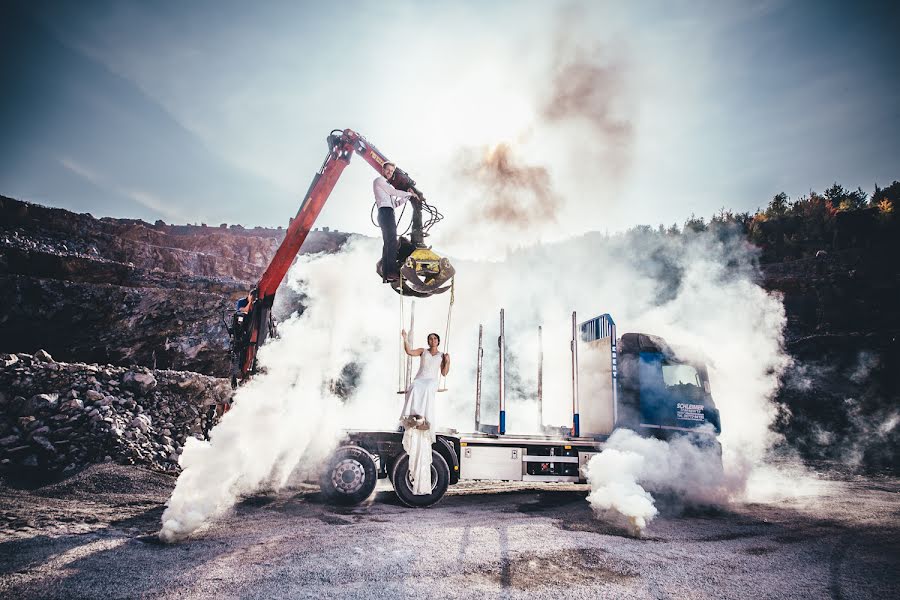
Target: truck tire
440 479
349 476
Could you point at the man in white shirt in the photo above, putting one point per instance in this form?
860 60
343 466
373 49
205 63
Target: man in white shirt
387 198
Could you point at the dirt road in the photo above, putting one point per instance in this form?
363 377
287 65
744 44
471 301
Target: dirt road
87 537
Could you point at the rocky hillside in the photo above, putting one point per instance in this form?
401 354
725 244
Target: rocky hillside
840 399
58 417
126 292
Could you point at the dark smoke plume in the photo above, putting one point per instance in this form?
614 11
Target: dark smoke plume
590 87
593 89
587 91
515 194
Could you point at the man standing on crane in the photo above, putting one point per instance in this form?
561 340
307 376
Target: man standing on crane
387 198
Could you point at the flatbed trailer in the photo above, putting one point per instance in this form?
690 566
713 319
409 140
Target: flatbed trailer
660 395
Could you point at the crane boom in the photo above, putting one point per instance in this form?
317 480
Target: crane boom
424 271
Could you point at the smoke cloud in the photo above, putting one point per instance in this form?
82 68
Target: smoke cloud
590 88
515 194
585 108
290 416
586 87
838 401
697 291
629 466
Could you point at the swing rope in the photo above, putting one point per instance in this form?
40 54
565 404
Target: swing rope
410 338
443 387
400 365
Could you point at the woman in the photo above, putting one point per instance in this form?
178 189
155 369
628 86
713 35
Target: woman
418 410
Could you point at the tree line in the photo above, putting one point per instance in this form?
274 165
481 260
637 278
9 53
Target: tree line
787 229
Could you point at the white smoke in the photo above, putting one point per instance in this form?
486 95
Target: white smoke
629 463
695 290
288 412
720 310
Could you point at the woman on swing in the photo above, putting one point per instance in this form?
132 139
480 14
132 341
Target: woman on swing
418 410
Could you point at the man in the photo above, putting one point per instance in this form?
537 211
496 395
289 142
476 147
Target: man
240 326
387 198
245 304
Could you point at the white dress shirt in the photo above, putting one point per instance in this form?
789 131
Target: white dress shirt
386 195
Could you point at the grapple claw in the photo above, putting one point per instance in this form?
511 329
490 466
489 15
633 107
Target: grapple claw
427 273
422 274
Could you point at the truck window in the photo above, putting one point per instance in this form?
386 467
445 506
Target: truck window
678 375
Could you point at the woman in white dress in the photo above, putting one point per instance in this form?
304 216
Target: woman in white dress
418 410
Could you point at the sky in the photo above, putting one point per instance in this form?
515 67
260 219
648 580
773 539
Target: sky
619 113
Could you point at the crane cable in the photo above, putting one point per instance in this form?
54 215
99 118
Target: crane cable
434 216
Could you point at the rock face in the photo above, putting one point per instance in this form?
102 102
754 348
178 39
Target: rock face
126 292
840 399
840 292
61 416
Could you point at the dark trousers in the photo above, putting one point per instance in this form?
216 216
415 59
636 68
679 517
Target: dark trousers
389 251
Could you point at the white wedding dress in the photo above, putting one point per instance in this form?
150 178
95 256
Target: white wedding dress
418 418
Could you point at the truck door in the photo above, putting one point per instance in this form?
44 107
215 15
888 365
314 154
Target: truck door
597 373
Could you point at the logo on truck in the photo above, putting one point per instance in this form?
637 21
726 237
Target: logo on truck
689 412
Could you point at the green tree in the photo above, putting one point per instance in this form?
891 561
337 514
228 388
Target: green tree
891 192
845 199
779 206
695 224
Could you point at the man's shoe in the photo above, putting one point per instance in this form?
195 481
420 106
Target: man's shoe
391 278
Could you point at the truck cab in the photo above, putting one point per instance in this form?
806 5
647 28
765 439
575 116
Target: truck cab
662 392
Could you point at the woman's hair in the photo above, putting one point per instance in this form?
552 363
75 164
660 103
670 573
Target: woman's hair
435 335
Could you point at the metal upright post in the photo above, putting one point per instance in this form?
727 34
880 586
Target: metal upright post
478 380
540 381
501 341
575 424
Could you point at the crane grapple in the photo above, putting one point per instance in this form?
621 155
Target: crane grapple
422 271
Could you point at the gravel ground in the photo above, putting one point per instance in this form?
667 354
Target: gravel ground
91 537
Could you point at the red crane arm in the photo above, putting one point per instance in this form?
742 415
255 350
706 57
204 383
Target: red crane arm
341 146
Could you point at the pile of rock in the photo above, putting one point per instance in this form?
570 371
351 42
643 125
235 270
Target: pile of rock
60 416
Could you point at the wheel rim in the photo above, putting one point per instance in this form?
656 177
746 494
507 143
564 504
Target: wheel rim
348 476
434 478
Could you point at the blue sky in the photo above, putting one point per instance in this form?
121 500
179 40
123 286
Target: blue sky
218 111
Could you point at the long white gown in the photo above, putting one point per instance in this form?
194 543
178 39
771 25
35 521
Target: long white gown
419 408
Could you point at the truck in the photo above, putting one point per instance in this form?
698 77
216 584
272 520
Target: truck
634 381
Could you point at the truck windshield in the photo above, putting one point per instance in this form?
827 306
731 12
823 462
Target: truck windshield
676 375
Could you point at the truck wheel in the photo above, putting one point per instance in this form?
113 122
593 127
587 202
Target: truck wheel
349 476
440 479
